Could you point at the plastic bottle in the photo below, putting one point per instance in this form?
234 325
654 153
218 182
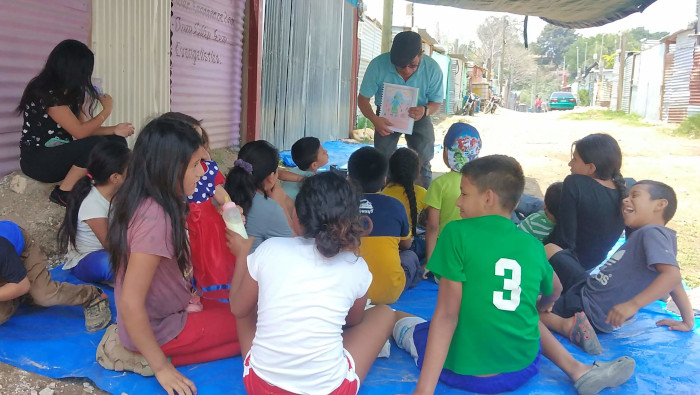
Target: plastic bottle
233 219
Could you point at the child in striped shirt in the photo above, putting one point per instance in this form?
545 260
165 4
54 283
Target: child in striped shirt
541 223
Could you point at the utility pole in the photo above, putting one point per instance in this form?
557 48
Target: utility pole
387 23
621 77
585 56
502 53
578 65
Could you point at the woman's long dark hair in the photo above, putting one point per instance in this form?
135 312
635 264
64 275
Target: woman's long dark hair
160 158
241 185
328 208
105 159
403 170
603 151
64 80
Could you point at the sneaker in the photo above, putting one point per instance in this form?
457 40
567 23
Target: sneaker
583 335
111 355
59 197
97 313
403 334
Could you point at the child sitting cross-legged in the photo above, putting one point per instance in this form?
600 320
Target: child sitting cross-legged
643 270
393 265
308 154
300 302
541 223
485 334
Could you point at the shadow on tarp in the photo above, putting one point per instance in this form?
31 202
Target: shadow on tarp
338 153
53 342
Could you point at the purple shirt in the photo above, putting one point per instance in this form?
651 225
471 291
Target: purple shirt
150 232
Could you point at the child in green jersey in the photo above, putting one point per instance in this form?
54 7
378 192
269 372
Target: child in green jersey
485 335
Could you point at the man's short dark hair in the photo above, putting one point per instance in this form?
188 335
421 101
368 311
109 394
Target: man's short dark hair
659 190
367 167
552 197
499 173
405 47
305 152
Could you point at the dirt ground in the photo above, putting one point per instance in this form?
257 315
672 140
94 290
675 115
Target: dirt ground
540 142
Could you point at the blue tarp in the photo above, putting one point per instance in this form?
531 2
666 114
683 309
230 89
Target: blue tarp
53 342
338 153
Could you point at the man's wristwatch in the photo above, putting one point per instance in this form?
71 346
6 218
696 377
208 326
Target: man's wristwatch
425 114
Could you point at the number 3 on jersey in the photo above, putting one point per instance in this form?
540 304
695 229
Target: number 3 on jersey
509 284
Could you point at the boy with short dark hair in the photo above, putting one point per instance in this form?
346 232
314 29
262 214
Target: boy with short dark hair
23 272
541 223
643 270
309 155
485 334
393 265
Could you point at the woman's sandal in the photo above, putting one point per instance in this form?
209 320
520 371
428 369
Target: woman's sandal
583 335
111 355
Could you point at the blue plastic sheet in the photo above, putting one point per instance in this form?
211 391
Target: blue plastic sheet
53 342
338 153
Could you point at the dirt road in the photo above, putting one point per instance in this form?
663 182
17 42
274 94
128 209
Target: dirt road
542 144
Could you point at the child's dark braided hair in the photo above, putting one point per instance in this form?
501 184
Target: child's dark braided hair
403 170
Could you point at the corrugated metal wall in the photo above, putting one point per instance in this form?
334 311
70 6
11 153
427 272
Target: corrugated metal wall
307 66
677 85
694 107
207 65
29 30
627 82
646 101
131 41
370 46
444 62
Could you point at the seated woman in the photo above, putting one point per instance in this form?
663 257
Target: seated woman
150 257
59 131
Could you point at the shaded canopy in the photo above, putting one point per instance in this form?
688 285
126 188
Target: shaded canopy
573 14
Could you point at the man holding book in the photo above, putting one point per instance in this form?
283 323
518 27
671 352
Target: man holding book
404 65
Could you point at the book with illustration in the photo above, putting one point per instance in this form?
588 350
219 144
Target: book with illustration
396 100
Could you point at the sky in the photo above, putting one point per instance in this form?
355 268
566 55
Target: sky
663 15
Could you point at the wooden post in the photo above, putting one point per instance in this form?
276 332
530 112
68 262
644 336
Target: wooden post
253 72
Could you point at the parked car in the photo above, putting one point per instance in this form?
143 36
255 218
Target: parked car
562 101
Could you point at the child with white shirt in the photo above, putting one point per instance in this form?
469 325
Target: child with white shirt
312 334
83 233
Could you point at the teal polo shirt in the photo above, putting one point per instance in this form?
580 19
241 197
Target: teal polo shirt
427 78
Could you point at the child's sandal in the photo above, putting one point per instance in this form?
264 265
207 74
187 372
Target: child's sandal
583 335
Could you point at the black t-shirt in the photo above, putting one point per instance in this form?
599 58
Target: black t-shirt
589 220
39 130
11 267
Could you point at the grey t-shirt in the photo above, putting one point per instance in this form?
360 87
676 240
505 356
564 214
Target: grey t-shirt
266 219
628 272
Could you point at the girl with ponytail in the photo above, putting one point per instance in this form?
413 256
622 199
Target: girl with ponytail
253 185
589 218
404 165
83 233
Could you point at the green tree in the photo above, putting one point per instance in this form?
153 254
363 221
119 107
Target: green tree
553 43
